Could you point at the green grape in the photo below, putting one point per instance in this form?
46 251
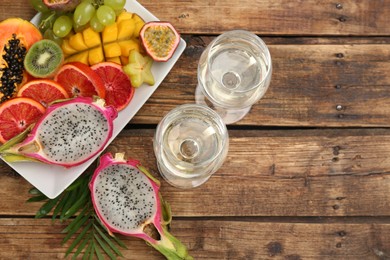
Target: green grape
118 12
115 4
78 28
46 21
49 34
106 15
62 26
83 13
39 6
95 24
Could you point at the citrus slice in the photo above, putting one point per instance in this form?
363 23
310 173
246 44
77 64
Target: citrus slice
119 90
79 79
160 40
16 115
45 91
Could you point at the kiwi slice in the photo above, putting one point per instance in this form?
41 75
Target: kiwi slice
43 59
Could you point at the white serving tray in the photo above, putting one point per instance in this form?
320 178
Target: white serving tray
52 180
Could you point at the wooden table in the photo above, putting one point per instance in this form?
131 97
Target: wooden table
307 174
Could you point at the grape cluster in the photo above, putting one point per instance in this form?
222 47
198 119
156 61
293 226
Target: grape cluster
97 14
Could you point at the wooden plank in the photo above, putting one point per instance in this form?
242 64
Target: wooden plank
218 239
22 9
312 85
267 173
303 76
278 17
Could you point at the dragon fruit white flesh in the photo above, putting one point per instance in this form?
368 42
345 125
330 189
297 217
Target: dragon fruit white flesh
68 134
126 199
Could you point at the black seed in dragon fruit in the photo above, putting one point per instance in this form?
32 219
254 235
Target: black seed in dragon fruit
127 200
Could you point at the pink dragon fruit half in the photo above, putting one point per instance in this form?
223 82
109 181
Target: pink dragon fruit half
126 199
68 134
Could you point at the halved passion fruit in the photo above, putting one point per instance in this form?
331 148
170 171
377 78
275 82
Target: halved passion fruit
61 5
160 40
17 35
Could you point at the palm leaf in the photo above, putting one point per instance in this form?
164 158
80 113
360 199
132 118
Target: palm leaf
107 240
98 253
76 227
60 205
87 253
46 208
80 248
76 220
104 247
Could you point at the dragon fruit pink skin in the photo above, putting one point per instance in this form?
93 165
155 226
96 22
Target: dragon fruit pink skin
68 134
126 199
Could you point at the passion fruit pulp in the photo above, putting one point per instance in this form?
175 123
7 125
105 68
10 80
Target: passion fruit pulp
160 40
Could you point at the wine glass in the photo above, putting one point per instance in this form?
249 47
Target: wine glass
234 72
190 144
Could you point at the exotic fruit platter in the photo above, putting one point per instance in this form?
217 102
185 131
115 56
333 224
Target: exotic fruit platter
70 80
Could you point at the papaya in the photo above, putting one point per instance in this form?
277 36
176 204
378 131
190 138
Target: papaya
17 36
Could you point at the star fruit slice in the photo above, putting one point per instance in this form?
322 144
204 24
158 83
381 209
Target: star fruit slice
139 69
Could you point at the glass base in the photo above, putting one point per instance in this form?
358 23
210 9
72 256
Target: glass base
229 116
180 181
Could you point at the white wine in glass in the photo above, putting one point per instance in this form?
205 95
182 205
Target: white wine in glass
190 144
234 72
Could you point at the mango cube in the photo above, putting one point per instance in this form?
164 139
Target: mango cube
127 46
124 16
126 29
112 50
66 48
80 57
116 60
110 33
77 42
95 55
91 38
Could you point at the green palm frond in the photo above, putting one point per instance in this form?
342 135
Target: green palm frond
88 235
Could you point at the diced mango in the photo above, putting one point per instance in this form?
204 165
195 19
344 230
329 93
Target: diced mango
91 38
115 60
110 33
81 57
76 41
112 50
124 16
66 48
124 60
137 18
127 46
126 29
95 55
139 23
114 43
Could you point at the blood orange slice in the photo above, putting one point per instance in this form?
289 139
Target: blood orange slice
79 79
16 115
119 90
44 91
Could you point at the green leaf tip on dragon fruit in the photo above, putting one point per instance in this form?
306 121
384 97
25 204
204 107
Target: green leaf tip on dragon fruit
68 134
127 200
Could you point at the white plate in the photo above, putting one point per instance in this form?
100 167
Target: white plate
52 180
